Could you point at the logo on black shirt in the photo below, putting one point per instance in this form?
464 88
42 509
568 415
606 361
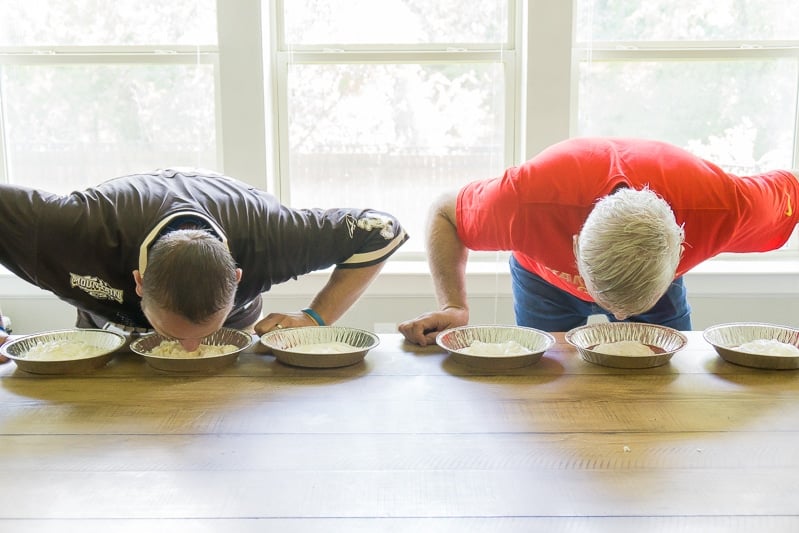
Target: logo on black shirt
95 287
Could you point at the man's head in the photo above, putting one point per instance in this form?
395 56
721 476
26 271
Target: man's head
189 286
628 251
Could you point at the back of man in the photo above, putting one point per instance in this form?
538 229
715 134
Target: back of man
535 209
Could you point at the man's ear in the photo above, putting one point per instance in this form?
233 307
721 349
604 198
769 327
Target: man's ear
238 274
138 279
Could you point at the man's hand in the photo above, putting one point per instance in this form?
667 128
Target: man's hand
274 321
423 329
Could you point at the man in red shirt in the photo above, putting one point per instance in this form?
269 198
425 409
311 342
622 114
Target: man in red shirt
601 226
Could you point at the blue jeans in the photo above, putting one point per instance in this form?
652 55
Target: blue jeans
540 305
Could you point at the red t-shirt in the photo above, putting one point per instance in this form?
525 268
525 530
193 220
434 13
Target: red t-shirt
535 209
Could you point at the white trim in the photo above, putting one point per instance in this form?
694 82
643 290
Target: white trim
97 57
241 91
411 279
549 74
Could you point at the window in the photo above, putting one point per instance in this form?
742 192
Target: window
388 103
384 103
91 89
718 78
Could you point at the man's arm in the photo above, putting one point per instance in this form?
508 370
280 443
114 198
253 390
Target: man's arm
341 291
447 257
344 287
377 236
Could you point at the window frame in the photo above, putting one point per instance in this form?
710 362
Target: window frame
545 99
100 55
508 54
541 59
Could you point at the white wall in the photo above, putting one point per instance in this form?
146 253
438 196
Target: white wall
718 291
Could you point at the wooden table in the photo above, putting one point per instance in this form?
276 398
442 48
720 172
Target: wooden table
406 441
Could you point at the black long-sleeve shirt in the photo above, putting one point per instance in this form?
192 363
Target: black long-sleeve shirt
84 246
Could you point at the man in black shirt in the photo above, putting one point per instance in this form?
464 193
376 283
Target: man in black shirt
184 253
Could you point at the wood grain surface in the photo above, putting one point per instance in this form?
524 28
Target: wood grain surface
408 440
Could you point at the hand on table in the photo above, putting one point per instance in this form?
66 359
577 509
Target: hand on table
423 329
274 321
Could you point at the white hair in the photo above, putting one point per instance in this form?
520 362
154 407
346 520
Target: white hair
628 250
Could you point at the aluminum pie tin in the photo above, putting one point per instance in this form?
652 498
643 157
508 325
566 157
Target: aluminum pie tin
726 338
213 363
455 340
664 341
282 343
103 344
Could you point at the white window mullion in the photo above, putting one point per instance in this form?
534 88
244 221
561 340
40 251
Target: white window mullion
549 77
241 96
3 139
796 136
281 129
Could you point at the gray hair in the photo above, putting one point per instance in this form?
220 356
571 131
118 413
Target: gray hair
628 250
190 273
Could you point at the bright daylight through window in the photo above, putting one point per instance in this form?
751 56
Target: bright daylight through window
93 89
390 103
384 103
716 77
